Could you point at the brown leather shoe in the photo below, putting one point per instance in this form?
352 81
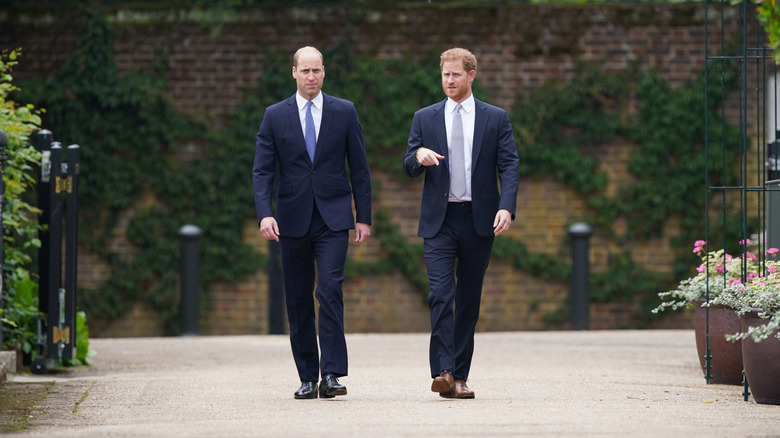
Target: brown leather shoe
461 390
443 384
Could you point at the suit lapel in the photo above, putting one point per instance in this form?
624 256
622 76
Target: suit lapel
480 124
295 123
440 129
327 117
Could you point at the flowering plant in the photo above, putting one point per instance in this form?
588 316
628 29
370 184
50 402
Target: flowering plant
718 270
762 295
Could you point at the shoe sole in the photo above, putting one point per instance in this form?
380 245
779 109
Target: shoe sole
305 397
333 393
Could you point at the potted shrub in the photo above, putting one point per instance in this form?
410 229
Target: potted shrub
757 302
717 271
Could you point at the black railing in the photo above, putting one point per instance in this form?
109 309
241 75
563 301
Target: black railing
738 199
3 144
58 201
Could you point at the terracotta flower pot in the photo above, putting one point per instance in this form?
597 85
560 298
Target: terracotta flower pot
762 363
726 361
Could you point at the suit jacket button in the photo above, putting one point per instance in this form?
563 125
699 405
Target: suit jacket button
446 194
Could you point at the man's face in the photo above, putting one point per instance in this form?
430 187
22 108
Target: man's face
456 81
309 74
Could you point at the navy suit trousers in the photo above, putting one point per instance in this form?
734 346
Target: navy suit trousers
457 259
328 249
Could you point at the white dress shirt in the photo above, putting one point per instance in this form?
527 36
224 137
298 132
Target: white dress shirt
467 115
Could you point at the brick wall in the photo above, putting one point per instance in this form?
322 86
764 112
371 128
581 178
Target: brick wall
519 47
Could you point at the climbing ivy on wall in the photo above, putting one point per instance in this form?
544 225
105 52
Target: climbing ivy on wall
129 134
566 120
129 131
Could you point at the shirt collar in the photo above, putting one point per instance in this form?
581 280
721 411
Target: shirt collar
467 105
301 101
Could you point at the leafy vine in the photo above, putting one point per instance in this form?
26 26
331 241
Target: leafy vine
130 132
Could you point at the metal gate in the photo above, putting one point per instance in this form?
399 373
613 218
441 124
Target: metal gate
742 207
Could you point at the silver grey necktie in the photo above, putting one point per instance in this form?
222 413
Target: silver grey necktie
311 132
457 152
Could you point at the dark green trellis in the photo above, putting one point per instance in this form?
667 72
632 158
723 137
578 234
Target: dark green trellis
739 196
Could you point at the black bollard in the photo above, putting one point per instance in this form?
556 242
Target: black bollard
580 234
189 235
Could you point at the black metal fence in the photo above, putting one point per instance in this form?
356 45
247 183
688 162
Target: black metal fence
737 210
3 144
58 255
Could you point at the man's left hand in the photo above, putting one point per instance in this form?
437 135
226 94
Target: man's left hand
362 231
502 222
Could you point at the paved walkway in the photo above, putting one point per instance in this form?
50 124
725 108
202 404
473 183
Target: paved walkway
548 384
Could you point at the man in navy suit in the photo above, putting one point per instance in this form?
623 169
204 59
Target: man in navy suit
305 141
464 147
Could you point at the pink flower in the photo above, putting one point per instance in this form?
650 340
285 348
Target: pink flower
744 242
772 268
751 256
734 281
701 268
721 268
772 250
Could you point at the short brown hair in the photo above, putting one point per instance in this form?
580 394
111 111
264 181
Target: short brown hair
456 53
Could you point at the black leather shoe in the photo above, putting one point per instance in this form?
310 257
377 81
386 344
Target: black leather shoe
307 390
330 387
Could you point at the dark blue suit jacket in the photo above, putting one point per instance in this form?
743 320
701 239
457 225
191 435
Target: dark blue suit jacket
301 181
494 157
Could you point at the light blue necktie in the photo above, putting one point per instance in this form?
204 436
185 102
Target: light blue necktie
311 132
457 156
